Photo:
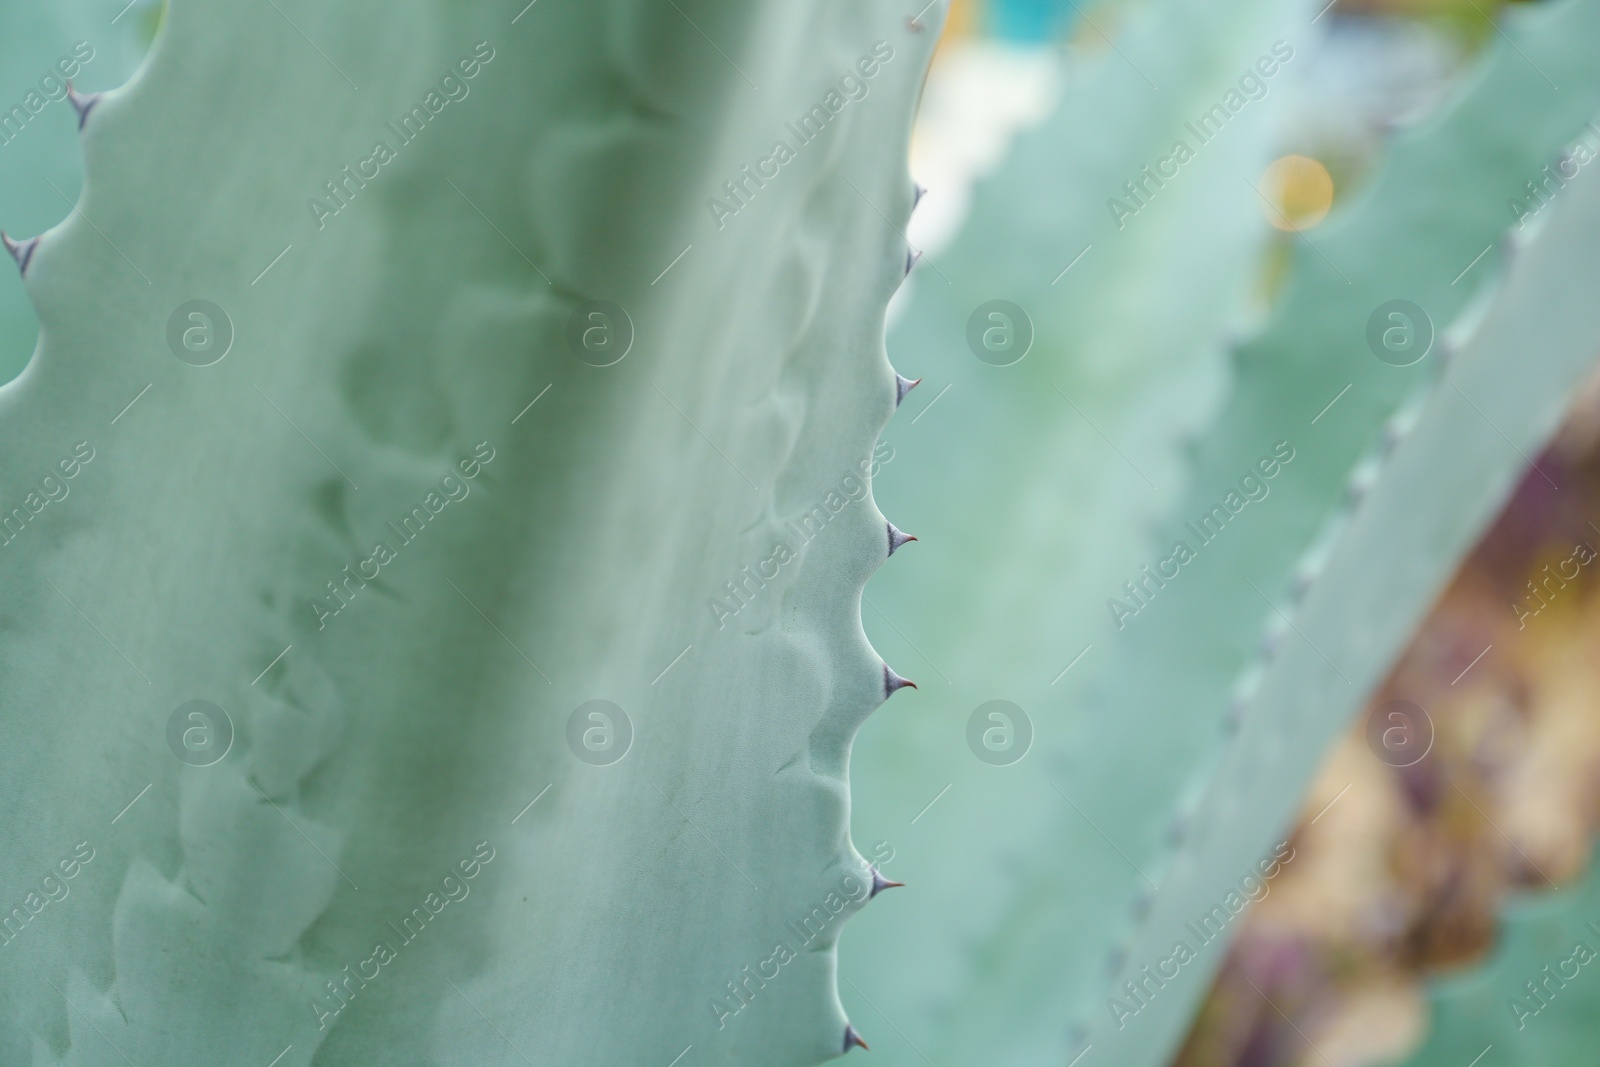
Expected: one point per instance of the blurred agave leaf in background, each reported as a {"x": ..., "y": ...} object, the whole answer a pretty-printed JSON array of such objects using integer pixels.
[
  {"x": 1007, "y": 979},
  {"x": 1403, "y": 867}
]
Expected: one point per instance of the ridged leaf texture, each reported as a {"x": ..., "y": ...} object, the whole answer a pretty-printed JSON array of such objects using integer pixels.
[{"x": 404, "y": 769}]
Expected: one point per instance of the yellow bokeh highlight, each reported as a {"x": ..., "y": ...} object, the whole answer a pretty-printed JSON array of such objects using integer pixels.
[
  {"x": 1299, "y": 191},
  {"x": 962, "y": 21}
]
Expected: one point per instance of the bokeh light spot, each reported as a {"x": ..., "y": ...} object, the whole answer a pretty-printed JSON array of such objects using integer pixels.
[{"x": 1299, "y": 191}]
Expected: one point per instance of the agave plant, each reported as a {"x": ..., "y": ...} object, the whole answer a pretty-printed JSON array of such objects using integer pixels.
[{"x": 438, "y": 507}]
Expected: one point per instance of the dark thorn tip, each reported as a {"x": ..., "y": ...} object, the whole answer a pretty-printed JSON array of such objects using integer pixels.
[
  {"x": 852, "y": 1039},
  {"x": 21, "y": 251},
  {"x": 82, "y": 103},
  {"x": 920, "y": 192},
  {"x": 897, "y": 538},
  {"x": 902, "y": 386},
  {"x": 880, "y": 883},
  {"x": 911, "y": 260},
  {"x": 892, "y": 682}
]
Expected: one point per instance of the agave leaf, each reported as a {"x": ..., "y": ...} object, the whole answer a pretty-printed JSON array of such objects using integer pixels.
[
  {"x": 407, "y": 722},
  {"x": 1134, "y": 814},
  {"x": 39, "y": 148},
  {"x": 1060, "y": 462}
]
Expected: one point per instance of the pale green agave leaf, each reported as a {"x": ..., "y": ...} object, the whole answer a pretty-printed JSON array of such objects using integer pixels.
[
  {"x": 1168, "y": 757},
  {"x": 42, "y": 46},
  {"x": 1149, "y": 377},
  {"x": 1535, "y": 999},
  {"x": 369, "y": 504}
]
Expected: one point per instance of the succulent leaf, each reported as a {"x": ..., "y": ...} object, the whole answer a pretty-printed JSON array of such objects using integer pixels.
[
  {"x": 449, "y": 479},
  {"x": 43, "y": 47},
  {"x": 1180, "y": 743}
]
